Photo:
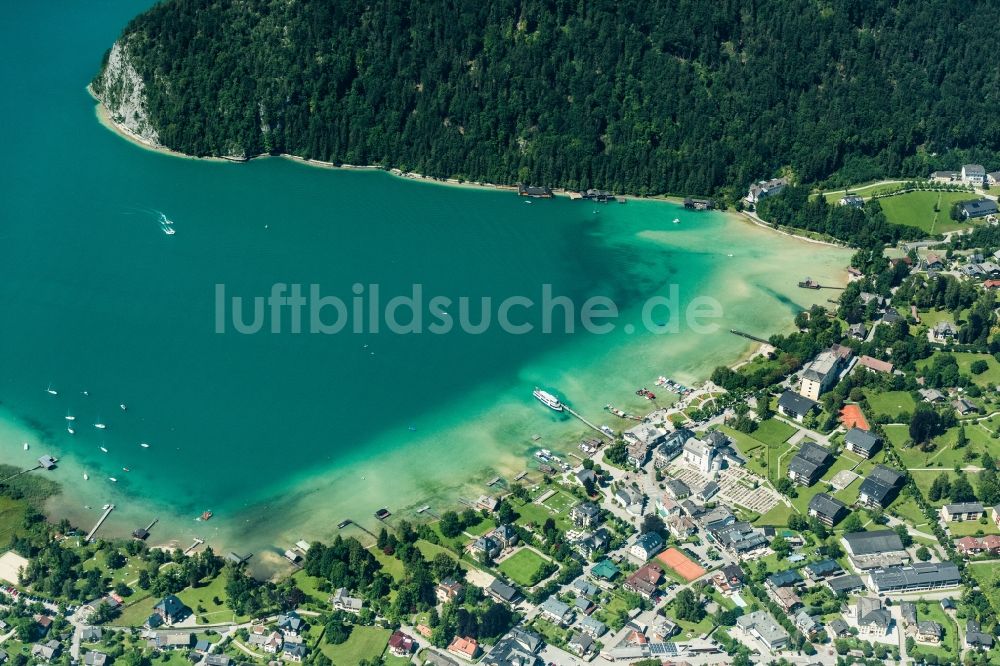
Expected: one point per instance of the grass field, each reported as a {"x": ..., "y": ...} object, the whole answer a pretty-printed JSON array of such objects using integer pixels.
[
  {"x": 364, "y": 643},
  {"x": 947, "y": 651},
  {"x": 965, "y": 360},
  {"x": 973, "y": 528},
  {"x": 988, "y": 575},
  {"x": 390, "y": 563},
  {"x": 763, "y": 458},
  {"x": 204, "y": 596},
  {"x": 136, "y": 614},
  {"x": 916, "y": 209},
  {"x": 945, "y": 455},
  {"x": 892, "y": 403},
  {"x": 773, "y": 432},
  {"x": 521, "y": 566}
]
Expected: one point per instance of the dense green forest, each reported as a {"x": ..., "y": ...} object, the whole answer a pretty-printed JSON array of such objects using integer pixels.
[{"x": 653, "y": 96}]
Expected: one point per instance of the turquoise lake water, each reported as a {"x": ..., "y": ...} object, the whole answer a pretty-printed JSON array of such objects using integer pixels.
[{"x": 282, "y": 435}]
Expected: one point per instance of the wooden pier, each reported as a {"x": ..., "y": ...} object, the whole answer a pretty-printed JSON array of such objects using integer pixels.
[
  {"x": 197, "y": 542},
  {"x": 100, "y": 521},
  {"x": 521, "y": 475},
  {"x": 587, "y": 423},
  {"x": 748, "y": 336}
]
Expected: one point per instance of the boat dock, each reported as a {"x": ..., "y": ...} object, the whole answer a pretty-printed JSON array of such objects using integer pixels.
[
  {"x": 197, "y": 542},
  {"x": 587, "y": 423},
  {"x": 521, "y": 475},
  {"x": 100, "y": 521},
  {"x": 748, "y": 336},
  {"x": 494, "y": 481}
]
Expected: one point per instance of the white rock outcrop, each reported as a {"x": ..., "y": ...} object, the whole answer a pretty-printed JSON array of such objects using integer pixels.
[{"x": 123, "y": 93}]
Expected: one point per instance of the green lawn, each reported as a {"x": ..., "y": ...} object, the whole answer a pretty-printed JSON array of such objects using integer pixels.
[
  {"x": 203, "y": 596},
  {"x": 521, "y": 566},
  {"x": 310, "y": 586},
  {"x": 925, "y": 479},
  {"x": 972, "y": 528},
  {"x": 947, "y": 651},
  {"x": 137, "y": 613},
  {"x": 390, "y": 563},
  {"x": 364, "y": 643},
  {"x": 988, "y": 575},
  {"x": 965, "y": 360},
  {"x": 916, "y": 209},
  {"x": 892, "y": 403},
  {"x": 945, "y": 455},
  {"x": 773, "y": 432}
]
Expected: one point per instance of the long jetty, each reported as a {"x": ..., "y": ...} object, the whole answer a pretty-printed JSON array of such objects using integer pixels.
[
  {"x": 748, "y": 336},
  {"x": 100, "y": 521},
  {"x": 587, "y": 423},
  {"x": 197, "y": 542}
]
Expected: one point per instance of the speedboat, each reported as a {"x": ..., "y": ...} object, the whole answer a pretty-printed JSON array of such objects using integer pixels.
[
  {"x": 124, "y": 408},
  {"x": 104, "y": 449},
  {"x": 144, "y": 445},
  {"x": 100, "y": 426},
  {"x": 125, "y": 469},
  {"x": 26, "y": 447},
  {"x": 51, "y": 391},
  {"x": 112, "y": 479},
  {"x": 70, "y": 430},
  {"x": 86, "y": 477},
  {"x": 547, "y": 399},
  {"x": 70, "y": 417}
]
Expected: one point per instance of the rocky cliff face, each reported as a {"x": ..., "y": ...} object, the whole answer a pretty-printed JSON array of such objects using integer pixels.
[{"x": 122, "y": 91}]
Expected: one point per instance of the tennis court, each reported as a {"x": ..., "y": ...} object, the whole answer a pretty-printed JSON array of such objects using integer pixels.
[
  {"x": 681, "y": 564},
  {"x": 852, "y": 417}
]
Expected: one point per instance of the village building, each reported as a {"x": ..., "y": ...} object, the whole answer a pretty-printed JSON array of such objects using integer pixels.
[
  {"x": 822, "y": 569},
  {"x": 169, "y": 611},
  {"x": 915, "y": 577},
  {"x": 822, "y": 372},
  {"x": 517, "y": 648},
  {"x": 862, "y": 442},
  {"x": 585, "y": 514},
  {"x": 875, "y": 365},
  {"x": 401, "y": 645},
  {"x": 341, "y": 600},
  {"x": 464, "y": 647},
  {"x": 827, "y": 509},
  {"x": 974, "y": 174},
  {"x": 670, "y": 447},
  {"x": 852, "y": 200},
  {"x": 795, "y": 406},
  {"x": 872, "y": 617},
  {"x": 954, "y": 513},
  {"x": 554, "y": 611},
  {"x": 878, "y": 548},
  {"x": 501, "y": 591},
  {"x": 978, "y": 208},
  {"x": 975, "y": 638},
  {"x": 764, "y": 189},
  {"x": 809, "y": 464},
  {"x": 448, "y": 589},
  {"x": 644, "y": 581},
  {"x": 646, "y": 546},
  {"x": 880, "y": 487},
  {"x": 580, "y": 643},
  {"x": 762, "y": 626},
  {"x": 677, "y": 489}
]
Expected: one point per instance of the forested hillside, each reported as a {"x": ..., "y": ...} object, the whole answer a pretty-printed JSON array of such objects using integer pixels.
[{"x": 639, "y": 96}]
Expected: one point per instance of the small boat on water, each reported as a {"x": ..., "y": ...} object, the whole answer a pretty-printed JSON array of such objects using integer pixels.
[
  {"x": 124, "y": 408},
  {"x": 144, "y": 445},
  {"x": 100, "y": 426},
  {"x": 86, "y": 477},
  {"x": 126, "y": 469},
  {"x": 26, "y": 447},
  {"x": 206, "y": 515},
  {"x": 70, "y": 417},
  {"x": 677, "y": 220},
  {"x": 104, "y": 449},
  {"x": 547, "y": 399},
  {"x": 51, "y": 391},
  {"x": 112, "y": 479},
  {"x": 69, "y": 429},
  {"x": 344, "y": 523},
  {"x": 106, "y": 507}
]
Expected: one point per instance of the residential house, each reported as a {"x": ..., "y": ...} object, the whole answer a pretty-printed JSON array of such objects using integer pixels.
[
  {"x": 677, "y": 489},
  {"x": 820, "y": 374},
  {"x": 964, "y": 407},
  {"x": 875, "y": 365},
  {"x": 872, "y": 617},
  {"x": 915, "y": 577},
  {"x": 880, "y": 487},
  {"x": 861, "y": 442},
  {"x": 946, "y": 176},
  {"x": 975, "y": 638},
  {"x": 432, "y": 658},
  {"x": 943, "y": 331},
  {"x": 929, "y": 631},
  {"x": 666, "y": 507},
  {"x": 646, "y": 546},
  {"x": 822, "y": 569},
  {"x": 580, "y": 643},
  {"x": 852, "y": 200},
  {"x": 485, "y": 545},
  {"x": 448, "y": 589},
  {"x": 401, "y": 645},
  {"x": 605, "y": 570},
  {"x": 341, "y": 600},
  {"x": 642, "y": 439},
  {"x": 681, "y": 527},
  {"x": 739, "y": 538},
  {"x": 993, "y": 178},
  {"x": 974, "y": 174},
  {"x": 585, "y": 514},
  {"x": 665, "y": 630},
  {"x": 593, "y": 543},
  {"x": 708, "y": 491},
  {"x": 730, "y": 578},
  {"x": 505, "y": 535},
  {"x": 628, "y": 497},
  {"x": 838, "y": 628},
  {"x": 809, "y": 464},
  {"x": 953, "y": 513},
  {"x": 94, "y": 658},
  {"x": 517, "y": 648},
  {"x": 827, "y": 509},
  {"x": 586, "y": 588},
  {"x": 501, "y": 591},
  {"x": 487, "y": 503},
  {"x": 218, "y": 660},
  {"x": 978, "y": 208},
  {"x": 554, "y": 611},
  {"x": 933, "y": 261},
  {"x": 290, "y": 624},
  {"x": 762, "y": 626},
  {"x": 764, "y": 189},
  {"x": 908, "y": 610},
  {"x": 644, "y": 581},
  {"x": 969, "y": 545},
  {"x": 464, "y": 647},
  {"x": 795, "y": 406},
  {"x": 857, "y": 331},
  {"x": 930, "y": 395},
  {"x": 172, "y": 640},
  {"x": 293, "y": 652},
  {"x": 806, "y": 624},
  {"x": 593, "y": 627},
  {"x": 671, "y": 447},
  {"x": 786, "y": 598},
  {"x": 171, "y": 610},
  {"x": 585, "y": 476},
  {"x": 46, "y": 651}
]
